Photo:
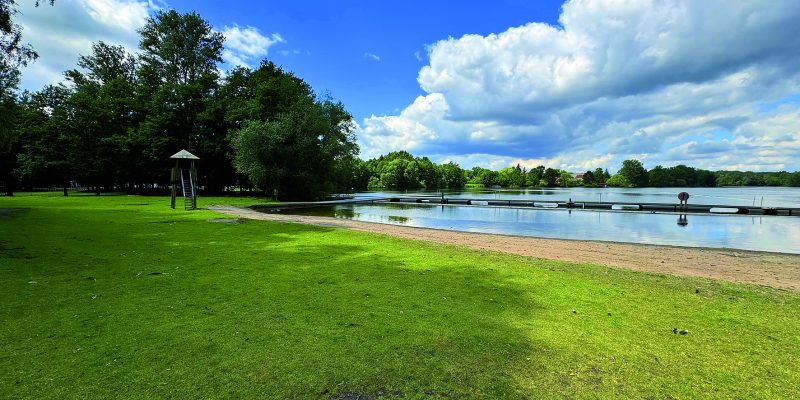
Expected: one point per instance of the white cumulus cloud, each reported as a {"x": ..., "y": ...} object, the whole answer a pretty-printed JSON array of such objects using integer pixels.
[
  {"x": 66, "y": 30},
  {"x": 656, "y": 80},
  {"x": 246, "y": 46},
  {"x": 61, "y": 32}
]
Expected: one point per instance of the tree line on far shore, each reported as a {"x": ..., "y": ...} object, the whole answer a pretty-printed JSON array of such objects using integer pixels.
[
  {"x": 114, "y": 122},
  {"x": 402, "y": 171}
]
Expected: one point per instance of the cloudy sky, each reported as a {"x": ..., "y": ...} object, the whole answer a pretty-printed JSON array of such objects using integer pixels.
[{"x": 575, "y": 85}]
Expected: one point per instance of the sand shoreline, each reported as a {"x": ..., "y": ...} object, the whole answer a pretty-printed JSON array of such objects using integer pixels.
[{"x": 777, "y": 270}]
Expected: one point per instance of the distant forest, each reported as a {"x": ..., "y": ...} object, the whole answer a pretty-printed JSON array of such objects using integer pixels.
[
  {"x": 114, "y": 122},
  {"x": 402, "y": 171}
]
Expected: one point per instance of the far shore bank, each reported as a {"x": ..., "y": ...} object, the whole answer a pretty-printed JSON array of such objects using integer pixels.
[{"x": 777, "y": 270}]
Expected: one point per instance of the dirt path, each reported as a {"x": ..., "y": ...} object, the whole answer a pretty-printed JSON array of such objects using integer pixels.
[{"x": 769, "y": 269}]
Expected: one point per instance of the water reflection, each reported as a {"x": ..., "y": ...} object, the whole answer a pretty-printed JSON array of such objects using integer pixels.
[
  {"x": 739, "y": 196},
  {"x": 781, "y": 234},
  {"x": 345, "y": 212},
  {"x": 398, "y": 219}
]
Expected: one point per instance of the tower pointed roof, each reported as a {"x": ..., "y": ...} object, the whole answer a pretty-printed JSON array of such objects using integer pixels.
[{"x": 183, "y": 154}]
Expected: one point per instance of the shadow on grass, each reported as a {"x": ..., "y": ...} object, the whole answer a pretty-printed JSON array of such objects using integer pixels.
[
  {"x": 278, "y": 310},
  {"x": 347, "y": 321},
  {"x": 250, "y": 310}
]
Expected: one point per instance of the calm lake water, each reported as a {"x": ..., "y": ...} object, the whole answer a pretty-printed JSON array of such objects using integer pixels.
[
  {"x": 738, "y": 196},
  {"x": 763, "y": 233}
]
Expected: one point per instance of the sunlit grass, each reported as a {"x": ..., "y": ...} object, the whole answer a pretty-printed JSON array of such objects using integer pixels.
[{"x": 120, "y": 296}]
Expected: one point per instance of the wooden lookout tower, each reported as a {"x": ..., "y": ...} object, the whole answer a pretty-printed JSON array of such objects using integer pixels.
[{"x": 185, "y": 176}]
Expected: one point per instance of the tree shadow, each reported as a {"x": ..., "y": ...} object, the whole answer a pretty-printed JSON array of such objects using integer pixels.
[{"x": 355, "y": 322}]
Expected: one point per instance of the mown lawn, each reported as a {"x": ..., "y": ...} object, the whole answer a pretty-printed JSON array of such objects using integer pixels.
[{"x": 122, "y": 297}]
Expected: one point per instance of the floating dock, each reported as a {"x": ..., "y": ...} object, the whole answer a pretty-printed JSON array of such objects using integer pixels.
[
  {"x": 598, "y": 205},
  {"x": 569, "y": 204}
]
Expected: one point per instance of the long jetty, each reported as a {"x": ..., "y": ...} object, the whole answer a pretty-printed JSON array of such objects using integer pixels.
[{"x": 598, "y": 205}]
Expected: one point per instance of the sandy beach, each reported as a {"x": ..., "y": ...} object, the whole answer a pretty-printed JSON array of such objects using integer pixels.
[{"x": 775, "y": 270}]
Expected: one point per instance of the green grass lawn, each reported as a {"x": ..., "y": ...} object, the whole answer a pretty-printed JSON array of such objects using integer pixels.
[{"x": 122, "y": 297}]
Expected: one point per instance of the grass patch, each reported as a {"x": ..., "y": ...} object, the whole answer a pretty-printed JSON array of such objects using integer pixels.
[{"x": 120, "y": 296}]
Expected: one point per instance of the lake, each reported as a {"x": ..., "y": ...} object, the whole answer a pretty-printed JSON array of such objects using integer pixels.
[
  {"x": 738, "y": 196},
  {"x": 761, "y": 233}
]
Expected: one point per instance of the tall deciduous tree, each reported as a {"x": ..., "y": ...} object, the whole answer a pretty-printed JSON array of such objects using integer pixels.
[
  {"x": 297, "y": 152},
  {"x": 588, "y": 179},
  {"x": 635, "y": 172},
  {"x": 535, "y": 175},
  {"x": 13, "y": 52},
  {"x": 178, "y": 74},
  {"x": 550, "y": 175},
  {"x": 566, "y": 179},
  {"x": 105, "y": 114},
  {"x": 180, "y": 48},
  {"x": 452, "y": 176},
  {"x": 618, "y": 180},
  {"x": 48, "y": 153},
  {"x": 13, "y": 55}
]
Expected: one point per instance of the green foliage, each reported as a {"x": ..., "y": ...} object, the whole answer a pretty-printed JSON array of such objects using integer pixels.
[
  {"x": 103, "y": 112},
  {"x": 511, "y": 177},
  {"x": 49, "y": 150},
  {"x": 601, "y": 176},
  {"x": 122, "y": 115},
  {"x": 256, "y": 144},
  {"x": 588, "y": 179},
  {"x": 9, "y": 142},
  {"x": 265, "y": 93},
  {"x": 738, "y": 178},
  {"x": 14, "y": 54},
  {"x": 550, "y": 176},
  {"x": 794, "y": 179},
  {"x": 400, "y": 170},
  {"x": 179, "y": 81},
  {"x": 296, "y": 153},
  {"x": 619, "y": 180},
  {"x": 566, "y": 179},
  {"x": 125, "y": 114},
  {"x": 483, "y": 176},
  {"x": 180, "y": 49},
  {"x": 535, "y": 176},
  {"x": 680, "y": 176},
  {"x": 634, "y": 172},
  {"x": 452, "y": 176}
]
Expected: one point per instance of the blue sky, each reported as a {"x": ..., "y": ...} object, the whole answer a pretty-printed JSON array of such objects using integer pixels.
[
  {"x": 573, "y": 85},
  {"x": 326, "y": 42}
]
